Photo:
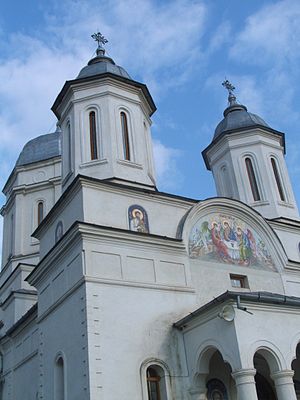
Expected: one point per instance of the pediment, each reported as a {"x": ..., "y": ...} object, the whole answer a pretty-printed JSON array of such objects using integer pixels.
[{"x": 229, "y": 232}]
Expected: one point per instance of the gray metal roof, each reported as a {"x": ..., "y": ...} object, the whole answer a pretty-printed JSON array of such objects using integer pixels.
[
  {"x": 255, "y": 297},
  {"x": 100, "y": 65},
  {"x": 237, "y": 117},
  {"x": 41, "y": 148}
]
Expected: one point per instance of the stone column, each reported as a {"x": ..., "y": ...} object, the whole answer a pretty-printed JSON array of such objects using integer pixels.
[
  {"x": 284, "y": 385},
  {"x": 245, "y": 384}
]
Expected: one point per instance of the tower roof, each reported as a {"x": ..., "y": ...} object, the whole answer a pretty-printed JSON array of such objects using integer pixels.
[
  {"x": 101, "y": 63},
  {"x": 236, "y": 115},
  {"x": 101, "y": 67},
  {"x": 41, "y": 148}
]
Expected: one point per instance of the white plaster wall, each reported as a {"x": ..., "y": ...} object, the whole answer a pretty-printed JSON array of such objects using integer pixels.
[
  {"x": 143, "y": 331},
  {"x": 290, "y": 238},
  {"x": 64, "y": 332},
  {"x": 108, "y": 99},
  {"x": 20, "y": 367}
]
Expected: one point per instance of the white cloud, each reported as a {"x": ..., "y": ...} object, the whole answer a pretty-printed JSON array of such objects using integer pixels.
[
  {"x": 271, "y": 35},
  {"x": 167, "y": 173}
]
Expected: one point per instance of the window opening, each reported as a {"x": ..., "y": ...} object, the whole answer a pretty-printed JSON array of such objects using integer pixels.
[
  {"x": 153, "y": 384},
  {"x": 40, "y": 212},
  {"x": 252, "y": 179},
  {"x": 93, "y": 135},
  {"x": 125, "y": 136},
  {"x": 277, "y": 179},
  {"x": 239, "y": 281},
  {"x": 59, "y": 381},
  {"x": 69, "y": 147}
]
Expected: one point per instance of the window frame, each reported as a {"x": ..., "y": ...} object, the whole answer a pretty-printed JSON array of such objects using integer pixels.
[
  {"x": 252, "y": 178},
  {"x": 94, "y": 151},
  {"x": 278, "y": 179},
  {"x": 240, "y": 278},
  {"x": 40, "y": 212},
  {"x": 125, "y": 136},
  {"x": 152, "y": 363}
]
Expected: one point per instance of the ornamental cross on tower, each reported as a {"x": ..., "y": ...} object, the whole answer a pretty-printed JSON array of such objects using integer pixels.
[
  {"x": 229, "y": 86},
  {"x": 99, "y": 38}
]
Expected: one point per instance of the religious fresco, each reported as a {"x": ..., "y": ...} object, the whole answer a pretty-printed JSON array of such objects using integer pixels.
[
  {"x": 216, "y": 390},
  {"x": 226, "y": 239},
  {"x": 138, "y": 219}
]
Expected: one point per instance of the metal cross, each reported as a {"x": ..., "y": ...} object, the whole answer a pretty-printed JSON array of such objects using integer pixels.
[
  {"x": 99, "y": 38},
  {"x": 229, "y": 86}
]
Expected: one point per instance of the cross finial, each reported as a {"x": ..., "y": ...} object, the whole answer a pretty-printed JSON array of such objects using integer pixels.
[
  {"x": 231, "y": 97},
  {"x": 101, "y": 40},
  {"x": 229, "y": 86}
]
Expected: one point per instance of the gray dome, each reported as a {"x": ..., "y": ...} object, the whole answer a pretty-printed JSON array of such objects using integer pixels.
[
  {"x": 39, "y": 149},
  {"x": 100, "y": 65},
  {"x": 236, "y": 116}
]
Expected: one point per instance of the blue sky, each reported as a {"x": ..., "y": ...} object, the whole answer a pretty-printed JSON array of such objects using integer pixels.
[{"x": 181, "y": 49}]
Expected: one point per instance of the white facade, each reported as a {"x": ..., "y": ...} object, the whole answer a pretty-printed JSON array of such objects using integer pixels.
[{"x": 122, "y": 291}]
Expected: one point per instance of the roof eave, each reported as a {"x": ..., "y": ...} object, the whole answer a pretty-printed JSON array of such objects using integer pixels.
[
  {"x": 131, "y": 82},
  {"x": 228, "y": 132}
]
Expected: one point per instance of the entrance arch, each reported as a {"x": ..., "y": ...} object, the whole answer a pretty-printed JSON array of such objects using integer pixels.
[
  {"x": 214, "y": 375},
  {"x": 265, "y": 363},
  {"x": 296, "y": 368}
]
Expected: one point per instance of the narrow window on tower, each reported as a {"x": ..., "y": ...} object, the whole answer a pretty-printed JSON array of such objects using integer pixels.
[
  {"x": 69, "y": 147},
  {"x": 278, "y": 180},
  {"x": 40, "y": 212},
  {"x": 59, "y": 388},
  {"x": 93, "y": 135},
  {"x": 125, "y": 136},
  {"x": 252, "y": 179}
]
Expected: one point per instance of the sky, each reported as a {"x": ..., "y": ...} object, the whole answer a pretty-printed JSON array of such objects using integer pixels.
[{"x": 181, "y": 49}]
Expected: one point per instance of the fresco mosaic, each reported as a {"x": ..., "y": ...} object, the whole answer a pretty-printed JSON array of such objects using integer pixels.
[
  {"x": 138, "y": 219},
  {"x": 224, "y": 238}
]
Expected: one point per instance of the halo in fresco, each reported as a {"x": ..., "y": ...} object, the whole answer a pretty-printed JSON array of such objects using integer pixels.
[{"x": 226, "y": 239}]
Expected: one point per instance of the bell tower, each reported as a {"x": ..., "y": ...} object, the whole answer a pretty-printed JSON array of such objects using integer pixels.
[
  {"x": 104, "y": 117},
  {"x": 246, "y": 157}
]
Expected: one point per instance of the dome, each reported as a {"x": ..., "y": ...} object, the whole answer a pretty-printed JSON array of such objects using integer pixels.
[
  {"x": 236, "y": 116},
  {"x": 39, "y": 149},
  {"x": 101, "y": 65}
]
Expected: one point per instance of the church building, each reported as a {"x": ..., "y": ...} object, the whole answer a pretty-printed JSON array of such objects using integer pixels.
[{"x": 111, "y": 289}]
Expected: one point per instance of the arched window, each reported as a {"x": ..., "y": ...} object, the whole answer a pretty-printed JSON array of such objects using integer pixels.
[
  {"x": 252, "y": 179},
  {"x": 69, "y": 147},
  {"x": 277, "y": 179},
  {"x": 40, "y": 212},
  {"x": 156, "y": 384},
  {"x": 93, "y": 135},
  {"x": 59, "y": 388},
  {"x": 125, "y": 136}
]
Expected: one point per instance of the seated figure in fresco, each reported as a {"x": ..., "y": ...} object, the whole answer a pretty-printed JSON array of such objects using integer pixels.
[
  {"x": 228, "y": 232},
  {"x": 221, "y": 248}
]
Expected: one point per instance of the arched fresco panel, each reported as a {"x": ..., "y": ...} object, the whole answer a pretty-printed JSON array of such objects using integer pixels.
[{"x": 224, "y": 238}]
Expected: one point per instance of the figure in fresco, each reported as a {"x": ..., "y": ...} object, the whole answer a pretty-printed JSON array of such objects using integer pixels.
[
  {"x": 244, "y": 246},
  {"x": 228, "y": 232},
  {"x": 217, "y": 241},
  {"x": 229, "y": 240},
  {"x": 217, "y": 395},
  {"x": 138, "y": 219}
]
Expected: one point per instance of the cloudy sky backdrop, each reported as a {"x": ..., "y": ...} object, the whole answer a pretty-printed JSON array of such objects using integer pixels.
[{"x": 181, "y": 49}]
